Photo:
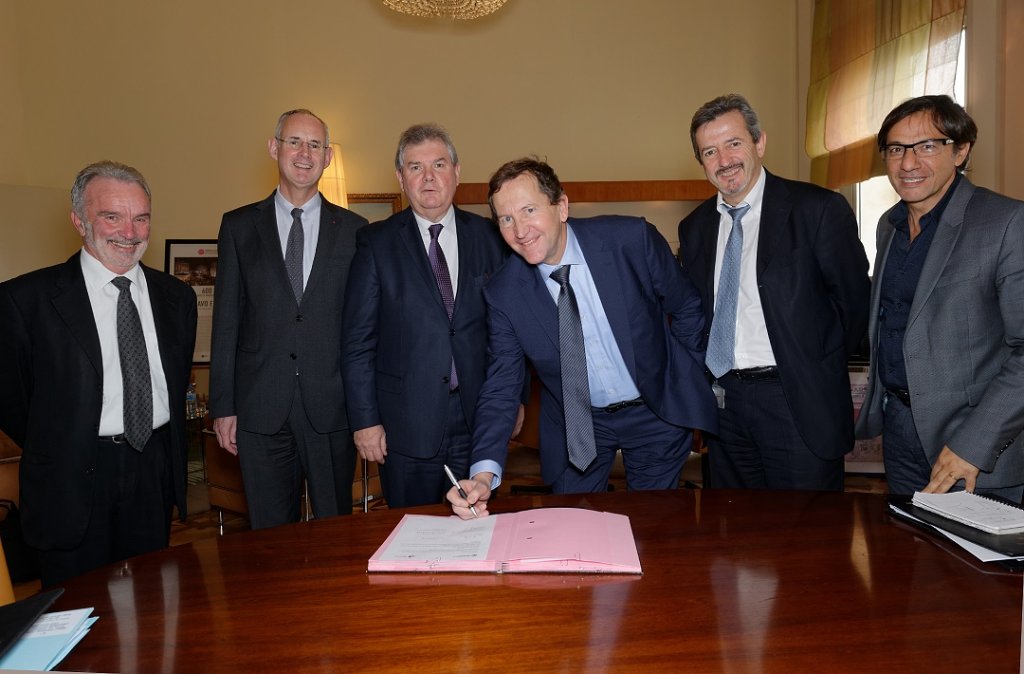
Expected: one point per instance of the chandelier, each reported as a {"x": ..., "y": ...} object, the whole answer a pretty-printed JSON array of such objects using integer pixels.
[{"x": 449, "y": 9}]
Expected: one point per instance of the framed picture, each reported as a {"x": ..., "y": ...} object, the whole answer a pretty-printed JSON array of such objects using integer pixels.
[
  {"x": 374, "y": 207},
  {"x": 194, "y": 261}
]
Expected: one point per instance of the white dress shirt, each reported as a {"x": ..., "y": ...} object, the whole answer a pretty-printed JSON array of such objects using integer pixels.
[
  {"x": 753, "y": 348},
  {"x": 103, "y": 298},
  {"x": 448, "y": 240}
]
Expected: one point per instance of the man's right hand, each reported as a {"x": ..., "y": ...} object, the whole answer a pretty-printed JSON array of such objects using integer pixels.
[
  {"x": 226, "y": 429},
  {"x": 478, "y": 492},
  {"x": 372, "y": 443}
]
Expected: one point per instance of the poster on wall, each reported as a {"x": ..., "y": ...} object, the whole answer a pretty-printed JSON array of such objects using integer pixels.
[{"x": 194, "y": 261}]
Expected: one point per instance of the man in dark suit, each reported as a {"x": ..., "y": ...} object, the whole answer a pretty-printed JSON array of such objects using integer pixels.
[
  {"x": 612, "y": 327},
  {"x": 95, "y": 355},
  {"x": 275, "y": 373},
  {"x": 947, "y": 314},
  {"x": 785, "y": 287},
  {"x": 415, "y": 334}
]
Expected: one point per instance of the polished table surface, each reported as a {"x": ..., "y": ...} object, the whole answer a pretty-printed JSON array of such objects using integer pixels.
[{"x": 734, "y": 581}]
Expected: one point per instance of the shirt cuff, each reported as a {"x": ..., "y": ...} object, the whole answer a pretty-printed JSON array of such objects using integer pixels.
[{"x": 487, "y": 466}]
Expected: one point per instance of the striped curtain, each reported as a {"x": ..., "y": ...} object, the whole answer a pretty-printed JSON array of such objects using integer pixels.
[{"x": 867, "y": 56}]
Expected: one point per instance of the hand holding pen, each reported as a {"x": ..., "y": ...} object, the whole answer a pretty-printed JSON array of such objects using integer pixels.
[{"x": 462, "y": 492}]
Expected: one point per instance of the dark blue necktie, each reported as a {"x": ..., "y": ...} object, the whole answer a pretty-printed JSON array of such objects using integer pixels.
[{"x": 293, "y": 254}]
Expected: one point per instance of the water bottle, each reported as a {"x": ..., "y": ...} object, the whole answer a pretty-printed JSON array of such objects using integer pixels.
[{"x": 191, "y": 406}]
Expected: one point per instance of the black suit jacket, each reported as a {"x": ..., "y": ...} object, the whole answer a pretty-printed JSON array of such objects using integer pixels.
[
  {"x": 51, "y": 397},
  {"x": 398, "y": 341},
  {"x": 814, "y": 287},
  {"x": 260, "y": 334}
]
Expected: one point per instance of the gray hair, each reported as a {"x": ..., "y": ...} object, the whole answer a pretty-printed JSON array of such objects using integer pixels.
[
  {"x": 301, "y": 111},
  {"x": 717, "y": 107},
  {"x": 421, "y": 133},
  {"x": 104, "y": 169}
]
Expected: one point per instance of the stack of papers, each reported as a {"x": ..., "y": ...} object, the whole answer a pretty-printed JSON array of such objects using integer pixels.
[
  {"x": 976, "y": 511},
  {"x": 545, "y": 540},
  {"x": 48, "y": 640}
]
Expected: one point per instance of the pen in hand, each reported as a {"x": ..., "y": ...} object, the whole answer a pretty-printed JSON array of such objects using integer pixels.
[{"x": 462, "y": 492}]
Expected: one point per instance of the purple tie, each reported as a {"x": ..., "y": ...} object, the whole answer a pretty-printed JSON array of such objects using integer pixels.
[{"x": 444, "y": 284}]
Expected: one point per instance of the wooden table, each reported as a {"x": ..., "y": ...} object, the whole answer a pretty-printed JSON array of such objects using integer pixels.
[{"x": 736, "y": 581}]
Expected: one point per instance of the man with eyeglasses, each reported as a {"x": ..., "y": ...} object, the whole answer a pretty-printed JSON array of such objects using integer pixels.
[
  {"x": 276, "y": 393},
  {"x": 784, "y": 280},
  {"x": 946, "y": 386}
]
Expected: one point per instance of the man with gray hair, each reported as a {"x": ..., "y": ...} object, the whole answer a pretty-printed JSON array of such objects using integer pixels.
[
  {"x": 275, "y": 378},
  {"x": 785, "y": 287},
  {"x": 415, "y": 336},
  {"x": 95, "y": 355}
]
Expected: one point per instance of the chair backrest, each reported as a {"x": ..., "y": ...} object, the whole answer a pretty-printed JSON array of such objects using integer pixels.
[{"x": 6, "y": 589}]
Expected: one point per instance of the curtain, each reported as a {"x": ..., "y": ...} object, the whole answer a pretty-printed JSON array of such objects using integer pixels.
[{"x": 867, "y": 56}]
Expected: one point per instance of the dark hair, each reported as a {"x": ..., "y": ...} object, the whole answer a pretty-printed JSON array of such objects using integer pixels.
[
  {"x": 717, "y": 107},
  {"x": 103, "y": 169},
  {"x": 421, "y": 133},
  {"x": 947, "y": 115},
  {"x": 546, "y": 177}
]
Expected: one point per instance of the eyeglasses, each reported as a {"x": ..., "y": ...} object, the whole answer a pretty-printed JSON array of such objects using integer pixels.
[
  {"x": 922, "y": 148},
  {"x": 297, "y": 143}
]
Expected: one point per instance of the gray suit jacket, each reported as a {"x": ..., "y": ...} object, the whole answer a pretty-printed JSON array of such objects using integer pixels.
[
  {"x": 964, "y": 344},
  {"x": 260, "y": 334}
]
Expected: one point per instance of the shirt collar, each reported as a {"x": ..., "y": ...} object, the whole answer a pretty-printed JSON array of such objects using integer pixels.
[
  {"x": 286, "y": 206},
  {"x": 97, "y": 276},
  {"x": 899, "y": 217},
  {"x": 448, "y": 220},
  {"x": 572, "y": 254}
]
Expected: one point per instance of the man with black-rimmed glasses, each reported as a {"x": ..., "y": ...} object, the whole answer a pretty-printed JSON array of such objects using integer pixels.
[{"x": 947, "y": 313}]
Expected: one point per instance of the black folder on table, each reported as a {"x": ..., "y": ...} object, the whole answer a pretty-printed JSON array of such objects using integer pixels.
[
  {"x": 17, "y": 617},
  {"x": 1006, "y": 544}
]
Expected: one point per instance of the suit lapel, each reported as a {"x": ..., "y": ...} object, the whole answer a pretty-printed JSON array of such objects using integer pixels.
[
  {"x": 71, "y": 301},
  {"x": 538, "y": 299},
  {"x": 775, "y": 210},
  {"x": 324, "y": 245},
  {"x": 266, "y": 228},
  {"x": 165, "y": 308},
  {"x": 412, "y": 241},
  {"x": 947, "y": 233}
]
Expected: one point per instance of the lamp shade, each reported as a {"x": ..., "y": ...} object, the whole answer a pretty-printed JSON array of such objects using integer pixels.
[{"x": 332, "y": 182}]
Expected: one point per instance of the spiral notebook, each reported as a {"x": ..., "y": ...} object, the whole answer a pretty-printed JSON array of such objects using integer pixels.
[{"x": 980, "y": 512}]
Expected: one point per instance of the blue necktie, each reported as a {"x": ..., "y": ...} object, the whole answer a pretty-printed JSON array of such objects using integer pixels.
[
  {"x": 722, "y": 342},
  {"x": 579, "y": 420}
]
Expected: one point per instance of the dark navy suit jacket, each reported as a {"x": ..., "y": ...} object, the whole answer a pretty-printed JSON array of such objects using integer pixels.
[
  {"x": 398, "y": 342},
  {"x": 652, "y": 308}
]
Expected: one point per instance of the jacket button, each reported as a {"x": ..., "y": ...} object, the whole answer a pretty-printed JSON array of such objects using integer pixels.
[
  {"x": 444, "y": 379},
  {"x": 293, "y": 356},
  {"x": 298, "y": 319},
  {"x": 90, "y": 470},
  {"x": 451, "y": 333}
]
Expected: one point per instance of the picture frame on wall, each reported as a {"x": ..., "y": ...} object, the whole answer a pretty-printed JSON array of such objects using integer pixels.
[
  {"x": 194, "y": 261},
  {"x": 377, "y": 206}
]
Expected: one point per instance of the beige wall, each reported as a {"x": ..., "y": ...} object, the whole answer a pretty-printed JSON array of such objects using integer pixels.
[{"x": 188, "y": 91}]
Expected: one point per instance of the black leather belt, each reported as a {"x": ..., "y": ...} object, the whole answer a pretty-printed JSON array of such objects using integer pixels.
[
  {"x": 756, "y": 373},
  {"x": 900, "y": 394},
  {"x": 615, "y": 407},
  {"x": 119, "y": 439}
]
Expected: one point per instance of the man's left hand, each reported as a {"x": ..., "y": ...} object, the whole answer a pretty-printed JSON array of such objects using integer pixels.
[{"x": 950, "y": 469}]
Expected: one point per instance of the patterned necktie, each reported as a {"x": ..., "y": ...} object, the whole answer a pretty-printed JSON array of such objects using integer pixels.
[
  {"x": 722, "y": 341},
  {"x": 579, "y": 422},
  {"x": 293, "y": 254},
  {"x": 439, "y": 264},
  {"x": 138, "y": 387}
]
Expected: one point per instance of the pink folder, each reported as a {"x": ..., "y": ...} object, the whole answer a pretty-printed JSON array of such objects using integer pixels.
[{"x": 545, "y": 540}]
